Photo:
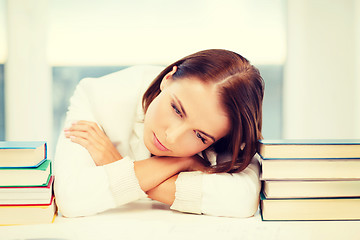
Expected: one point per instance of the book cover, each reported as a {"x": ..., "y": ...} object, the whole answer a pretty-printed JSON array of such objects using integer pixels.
[
  {"x": 310, "y": 209},
  {"x": 314, "y": 148},
  {"x": 28, "y": 214},
  {"x": 26, "y": 176},
  {"x": 29, "y": 195},
  {"x": 22, "y": 153}
]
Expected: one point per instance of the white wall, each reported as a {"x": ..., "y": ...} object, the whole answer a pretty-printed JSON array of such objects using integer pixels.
[
  {"x": 322, "y": 80},
  {"x": 28, "y": 101},
  {"x": 41, "y": 33},
  {"x": 321, "y": 76},
  {"x": 112, "y": 32},
  {"x": 357, "y": 65},
  {"x": 3, "y": 50}
]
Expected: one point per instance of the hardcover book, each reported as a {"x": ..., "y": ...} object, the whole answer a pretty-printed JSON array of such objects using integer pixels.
[
  {"x": 310, "y": 209},
  {"x": 26, "y": 176},
  {"x": 28, "y": 214},
  {"x": 29, "y": 195},
  {"x": 22, "y": 154},
  {"x": 311, "y": 189},
  {"x": 282, "y": 149},
  {"x": 296, "y": 169}
]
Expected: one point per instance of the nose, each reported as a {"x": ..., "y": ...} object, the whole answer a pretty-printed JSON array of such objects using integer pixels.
[{"x": 174, "y": 133}]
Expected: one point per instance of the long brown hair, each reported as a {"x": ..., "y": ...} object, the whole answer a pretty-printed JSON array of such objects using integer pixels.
[{"x": 241, "y": 90}]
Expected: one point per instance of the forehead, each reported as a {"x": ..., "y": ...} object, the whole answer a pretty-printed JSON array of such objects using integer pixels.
[{"x": 202, "y": 104}]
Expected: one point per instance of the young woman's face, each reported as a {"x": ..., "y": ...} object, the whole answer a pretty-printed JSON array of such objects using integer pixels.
[{"x": 184, "y": 119}]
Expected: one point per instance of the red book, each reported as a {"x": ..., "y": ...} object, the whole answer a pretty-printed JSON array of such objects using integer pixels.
[{"x": 28, "y": 195}]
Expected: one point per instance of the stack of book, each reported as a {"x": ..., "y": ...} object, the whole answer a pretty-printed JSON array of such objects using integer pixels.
[
  {"x": 26, "y": 184},
  {"x": 310, "y": 179}
]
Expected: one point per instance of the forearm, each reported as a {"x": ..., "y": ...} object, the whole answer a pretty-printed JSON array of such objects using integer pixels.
[
  {"x": 232, "y": 195},
  {"x": 155, "y": 170},
  {"x": 165, "y": 192}
]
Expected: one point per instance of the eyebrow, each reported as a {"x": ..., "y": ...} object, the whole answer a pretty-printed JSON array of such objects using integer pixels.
[
  {"x": 184, "y": 112},
  {"x": 208, "y": 135}
]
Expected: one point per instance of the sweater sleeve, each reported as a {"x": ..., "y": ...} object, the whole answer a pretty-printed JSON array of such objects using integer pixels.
[
  {"x": 82, "y": 188},
  {"x": 222, "y": 194}
]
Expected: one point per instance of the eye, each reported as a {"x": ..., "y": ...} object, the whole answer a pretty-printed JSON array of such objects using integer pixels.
[
  {"x": 198, "y": 135},
  {"x": 176, "y": 110}
]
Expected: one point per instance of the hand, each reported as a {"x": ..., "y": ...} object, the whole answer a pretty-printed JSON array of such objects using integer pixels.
[{"x": 90, "y": 136}]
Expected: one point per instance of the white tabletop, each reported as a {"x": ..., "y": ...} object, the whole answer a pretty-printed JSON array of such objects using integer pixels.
[{"x": 148, "y": 219}]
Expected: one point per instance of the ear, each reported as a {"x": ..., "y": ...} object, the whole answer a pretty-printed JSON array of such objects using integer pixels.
[{"x": 167, "y": 78}]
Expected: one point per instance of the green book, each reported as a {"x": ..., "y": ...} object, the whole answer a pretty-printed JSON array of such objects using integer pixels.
[{"x": 26, "y": 176}]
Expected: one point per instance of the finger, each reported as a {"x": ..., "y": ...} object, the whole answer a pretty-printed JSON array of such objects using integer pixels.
[
  {"x": 88, "y": 140},
  {"x": 82, "y": 141},
  {"x": 83, "y": 127},
  {"x": 93, "y": 125},
  {"x": 85, "y": 139},
  {"x": 88, "y": 126},
  {"x": 80, "y": 126},
  {"x": 96, "y": 132},
  {"x": 78, "y": 134},
  {"x": 97, "y": 129},
  {"x": 96, "y": 135},
  {"x": 85, "y": 142}
]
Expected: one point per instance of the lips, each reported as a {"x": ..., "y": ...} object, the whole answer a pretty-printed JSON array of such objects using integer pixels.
[{"x": 158, "y": 144}]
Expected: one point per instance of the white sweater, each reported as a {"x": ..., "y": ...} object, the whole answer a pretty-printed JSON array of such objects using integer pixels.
[{"x": 114, "y": 102}]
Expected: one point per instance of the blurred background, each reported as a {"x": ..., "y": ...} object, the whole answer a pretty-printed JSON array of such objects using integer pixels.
[{"x": 307, "y": 51}]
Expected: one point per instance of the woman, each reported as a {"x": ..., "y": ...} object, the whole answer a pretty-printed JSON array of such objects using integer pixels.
[{"x": 195, "y": 132}]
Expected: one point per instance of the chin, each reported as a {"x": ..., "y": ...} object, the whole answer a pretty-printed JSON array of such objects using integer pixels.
[{"x": 159, "y": 153}]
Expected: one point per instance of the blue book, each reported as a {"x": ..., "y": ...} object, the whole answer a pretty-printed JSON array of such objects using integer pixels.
[{"x": 22, "y": 154}]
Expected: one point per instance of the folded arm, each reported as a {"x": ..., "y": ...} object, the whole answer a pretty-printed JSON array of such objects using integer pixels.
[
  {"x": 100, "y": 178},
  {"x": 224, "y": 194},
  {"x": 165, "y": 179},
  {"x": 86, "y": 185}
]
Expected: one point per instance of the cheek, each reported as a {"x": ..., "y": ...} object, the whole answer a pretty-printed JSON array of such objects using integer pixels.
[{"x": 156, "y": 115}]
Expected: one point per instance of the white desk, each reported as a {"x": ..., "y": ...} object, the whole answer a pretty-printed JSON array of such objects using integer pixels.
[{"x": 147, "y": 219}]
